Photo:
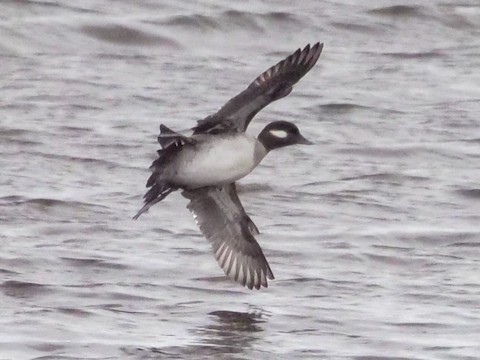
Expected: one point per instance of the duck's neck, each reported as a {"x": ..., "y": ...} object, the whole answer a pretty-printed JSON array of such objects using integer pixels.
[{"x": 260, "y": 152}]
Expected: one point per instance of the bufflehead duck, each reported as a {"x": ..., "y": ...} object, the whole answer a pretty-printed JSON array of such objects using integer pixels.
[{"x": 206, "y": 165}]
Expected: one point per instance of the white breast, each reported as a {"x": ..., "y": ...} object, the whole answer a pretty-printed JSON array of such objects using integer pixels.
[{"x": 220, "y": 161}]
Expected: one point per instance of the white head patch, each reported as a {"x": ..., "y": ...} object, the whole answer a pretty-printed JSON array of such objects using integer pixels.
[{"x": 279, "y": 133}]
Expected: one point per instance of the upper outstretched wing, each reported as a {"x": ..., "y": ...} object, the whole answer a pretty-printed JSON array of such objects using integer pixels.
[
  {"x": 273, "y": 84},
  {"x": 228, "y": 228}
]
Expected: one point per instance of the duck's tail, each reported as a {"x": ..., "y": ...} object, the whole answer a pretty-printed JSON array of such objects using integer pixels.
[
  {"x": 155, "y": 194},
  {"x": 171, "y": 142}
]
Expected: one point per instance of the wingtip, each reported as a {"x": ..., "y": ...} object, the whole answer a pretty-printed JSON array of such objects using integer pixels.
[
  {"x": 317, "y": 45},
  {"x": 316, "y": 48},
  {"x": 140, "y": 212},
  {"x": 270, "y": 275},
  {"x": 312, "y": 54},
  {"x": 237, "y": 268},
  {"x": 136, "y": 216}
]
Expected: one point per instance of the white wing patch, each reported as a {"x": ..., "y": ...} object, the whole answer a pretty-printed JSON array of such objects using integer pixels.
[{"x": 279, "y": 133}]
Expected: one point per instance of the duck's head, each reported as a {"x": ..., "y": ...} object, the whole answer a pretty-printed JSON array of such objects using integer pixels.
[{"x": 281, "y": 133}]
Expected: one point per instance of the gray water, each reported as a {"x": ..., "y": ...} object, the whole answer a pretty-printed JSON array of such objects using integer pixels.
[{"x": 373, "y": 233}]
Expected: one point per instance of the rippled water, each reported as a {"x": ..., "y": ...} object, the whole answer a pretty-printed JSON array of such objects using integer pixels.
[{"x": 373, "y": 233}]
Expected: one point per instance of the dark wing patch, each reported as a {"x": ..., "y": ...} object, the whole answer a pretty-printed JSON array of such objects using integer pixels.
[
  {"x": 169, "y": 137},
  {"x": 231, "y": 190},
  {"x": 228, "y": 229},
  {"x": 271, "y": 85}
]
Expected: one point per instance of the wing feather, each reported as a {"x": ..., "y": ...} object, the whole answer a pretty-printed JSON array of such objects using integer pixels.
[
  {"x": 273, "y": 84},
  {"x": 224, "y": 223}
]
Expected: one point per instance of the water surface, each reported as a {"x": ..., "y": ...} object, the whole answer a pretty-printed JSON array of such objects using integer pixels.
[{"x": 373, "y": 233}]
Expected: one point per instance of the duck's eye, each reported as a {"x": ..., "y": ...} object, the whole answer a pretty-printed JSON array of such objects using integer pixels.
[{"x": 282, "y": 134}]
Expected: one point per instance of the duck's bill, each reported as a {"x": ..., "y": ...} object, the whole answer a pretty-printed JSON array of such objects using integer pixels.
[{"x": 302, "y": 140}]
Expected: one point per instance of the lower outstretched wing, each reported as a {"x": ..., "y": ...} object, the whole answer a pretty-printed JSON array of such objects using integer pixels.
[{"x": 223, "y": 221}]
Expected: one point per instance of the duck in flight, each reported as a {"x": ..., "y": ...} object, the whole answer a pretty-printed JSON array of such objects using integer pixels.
[{"x": 206, "y": 165}]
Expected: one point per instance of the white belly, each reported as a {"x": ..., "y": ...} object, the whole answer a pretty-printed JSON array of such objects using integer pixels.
[{"x": 219, "y": 162}]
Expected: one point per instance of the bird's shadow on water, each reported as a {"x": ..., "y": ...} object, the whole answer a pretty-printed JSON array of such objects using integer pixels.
[{"x": 231, "y": 334}]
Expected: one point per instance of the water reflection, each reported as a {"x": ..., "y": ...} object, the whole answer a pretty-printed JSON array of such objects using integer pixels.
[{"x": 232, "y": 332}]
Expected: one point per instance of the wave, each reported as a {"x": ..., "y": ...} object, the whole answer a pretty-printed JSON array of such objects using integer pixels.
[
  {"x": 469, "y": 193},
  {"x": 22, "y": 289},
  {"x": 399, "y": 11},
  {"x": 394, "y": 177},
  {"x": 416, "y": 55},
  {"x": 45, "y": 202},
  {"x": 125, "y": 35},
  {"x": 341, "y": 108},
  {"x": 233, "y": 18},
  {"x": 355, "y": 27},
  {"x": 93, "y": 262}
]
